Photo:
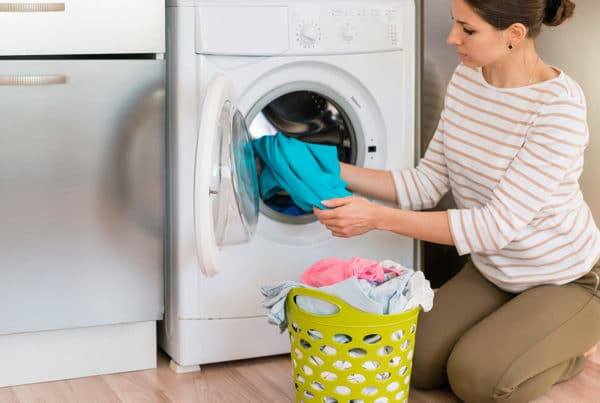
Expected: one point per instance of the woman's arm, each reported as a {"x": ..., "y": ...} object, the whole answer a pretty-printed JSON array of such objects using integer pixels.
[
  {"x": 416, "y": 188},
  {"x": 374, "y": 183},
  {"x": 556, "y": 142},
  {"x": 354, "y": 216}
]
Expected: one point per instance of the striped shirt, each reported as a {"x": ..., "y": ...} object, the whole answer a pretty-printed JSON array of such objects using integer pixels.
[{"x": 512, "y": 158}]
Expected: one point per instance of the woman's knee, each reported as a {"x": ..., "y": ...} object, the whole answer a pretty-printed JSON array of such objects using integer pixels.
[
  {"x": 471, "y": 376},
  {"x": 452, "y": 314}
]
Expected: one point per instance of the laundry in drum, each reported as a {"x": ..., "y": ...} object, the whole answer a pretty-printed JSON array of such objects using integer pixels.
[{"x": 307, "y": 172}]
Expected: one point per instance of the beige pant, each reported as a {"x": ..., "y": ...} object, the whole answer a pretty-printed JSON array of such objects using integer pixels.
[{"x": 494, "y": 346}]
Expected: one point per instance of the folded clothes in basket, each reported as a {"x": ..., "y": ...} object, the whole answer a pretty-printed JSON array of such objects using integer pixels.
[{"x": 401, "y": 290}]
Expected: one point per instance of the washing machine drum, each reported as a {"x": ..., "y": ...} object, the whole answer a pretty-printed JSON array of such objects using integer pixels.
[
  {"x": 307, "y": 116},
  {"x": 297, "y": 110}
]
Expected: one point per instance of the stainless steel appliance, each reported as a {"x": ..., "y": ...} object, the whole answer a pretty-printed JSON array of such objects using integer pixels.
[{"x": 82, "y": 181}]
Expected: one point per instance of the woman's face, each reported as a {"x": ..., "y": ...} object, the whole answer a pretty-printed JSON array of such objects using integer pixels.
[{"x": 477, "y": 42}]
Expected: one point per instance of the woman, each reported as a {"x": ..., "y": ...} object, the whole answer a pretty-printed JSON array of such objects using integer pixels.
[{"x": 520, "y": 316}]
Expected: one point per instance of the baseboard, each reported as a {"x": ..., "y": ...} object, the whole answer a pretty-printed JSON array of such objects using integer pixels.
[
  {"x": 74, "y": 353},
  {"x": 196, "y": 342}
]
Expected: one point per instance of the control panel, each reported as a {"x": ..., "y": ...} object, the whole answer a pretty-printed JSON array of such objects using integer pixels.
[
  {"x": 306, "y": 28},
  {"x": 350, "y": 28}
]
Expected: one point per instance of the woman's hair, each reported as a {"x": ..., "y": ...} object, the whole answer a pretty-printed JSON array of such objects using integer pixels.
[{"x": 532, "y": 13}]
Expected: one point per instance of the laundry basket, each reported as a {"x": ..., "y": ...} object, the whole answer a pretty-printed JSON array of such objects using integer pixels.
[{"x": 350, "y": 356}]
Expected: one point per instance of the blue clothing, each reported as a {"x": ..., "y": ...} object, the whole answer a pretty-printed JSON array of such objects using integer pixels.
[{"x": 308, "y": 172}]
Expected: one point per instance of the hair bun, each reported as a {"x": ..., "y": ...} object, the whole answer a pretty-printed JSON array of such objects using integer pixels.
[{"x": 557, "y": 11}]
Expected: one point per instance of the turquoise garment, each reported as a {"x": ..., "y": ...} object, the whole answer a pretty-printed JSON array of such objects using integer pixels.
[{"x": 308, "y": 172}]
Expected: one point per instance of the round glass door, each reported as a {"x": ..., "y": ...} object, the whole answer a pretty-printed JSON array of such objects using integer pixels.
[
  {"x": 234, "y": 183},
  {"x": 225, "y": 181}
]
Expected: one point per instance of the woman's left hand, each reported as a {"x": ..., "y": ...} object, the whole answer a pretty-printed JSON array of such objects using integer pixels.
[{"x": 349, "y": 216}]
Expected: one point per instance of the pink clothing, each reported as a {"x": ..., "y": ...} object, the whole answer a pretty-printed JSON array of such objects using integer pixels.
[{"x": 333, "y": 270}]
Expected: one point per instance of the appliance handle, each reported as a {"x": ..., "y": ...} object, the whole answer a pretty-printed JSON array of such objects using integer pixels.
[
  {"x": 32, "y": 80},
  {"x": 31, "y": 7}
]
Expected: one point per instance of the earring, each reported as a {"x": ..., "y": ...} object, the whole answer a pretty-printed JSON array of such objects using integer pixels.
[{"x": 510, "y": 45}]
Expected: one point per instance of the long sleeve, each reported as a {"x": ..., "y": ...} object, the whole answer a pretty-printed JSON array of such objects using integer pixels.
[
  {"x": 423, "y": 187},
  {"x": 553, "y": 144}
]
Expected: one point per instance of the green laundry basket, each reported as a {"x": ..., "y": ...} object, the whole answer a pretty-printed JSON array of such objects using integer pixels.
[{"x": 350, "y": 356}]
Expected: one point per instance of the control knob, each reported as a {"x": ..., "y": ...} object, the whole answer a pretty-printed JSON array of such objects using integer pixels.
[{"x": 309, "y": 34}]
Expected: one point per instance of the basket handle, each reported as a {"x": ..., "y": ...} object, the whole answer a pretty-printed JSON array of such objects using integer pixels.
[
  {"x": 340, "y": 304},
  {"x": 345, "y": 310}
]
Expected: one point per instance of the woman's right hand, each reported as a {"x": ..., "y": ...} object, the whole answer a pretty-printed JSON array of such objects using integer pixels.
[{"x": 349, "y": 216}]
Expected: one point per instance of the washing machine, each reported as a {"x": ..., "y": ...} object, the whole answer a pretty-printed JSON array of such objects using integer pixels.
[{"x": 327, "y": 72}]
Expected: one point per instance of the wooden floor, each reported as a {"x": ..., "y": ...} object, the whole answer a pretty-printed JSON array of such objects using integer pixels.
[{"x": 248, "y": 381}]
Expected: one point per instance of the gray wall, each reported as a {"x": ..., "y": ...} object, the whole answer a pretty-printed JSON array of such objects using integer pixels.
[{"x": 439, "y": 61}]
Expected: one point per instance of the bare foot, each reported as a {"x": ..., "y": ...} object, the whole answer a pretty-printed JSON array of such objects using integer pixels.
[{"x": 591, "y": 351}]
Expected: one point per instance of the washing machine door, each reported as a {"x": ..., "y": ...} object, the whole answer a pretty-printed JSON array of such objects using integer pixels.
[{"x": 225, "y": 182}]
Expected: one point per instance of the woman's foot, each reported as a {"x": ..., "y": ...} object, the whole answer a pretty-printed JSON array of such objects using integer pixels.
[
  {"x": 574, "y": 368},
  {"x": 591, "y": 351}
]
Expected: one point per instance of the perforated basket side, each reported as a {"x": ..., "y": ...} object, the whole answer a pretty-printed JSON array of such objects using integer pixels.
[{"x": 351, "y": 355}]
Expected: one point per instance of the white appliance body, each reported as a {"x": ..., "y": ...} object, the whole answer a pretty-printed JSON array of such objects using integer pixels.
[{"x": 359, "y": 54}]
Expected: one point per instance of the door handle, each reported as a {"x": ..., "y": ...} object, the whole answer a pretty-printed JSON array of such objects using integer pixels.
[
  {"x": 31, "y": 7},
  {"x": 32, "y": 80}
]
